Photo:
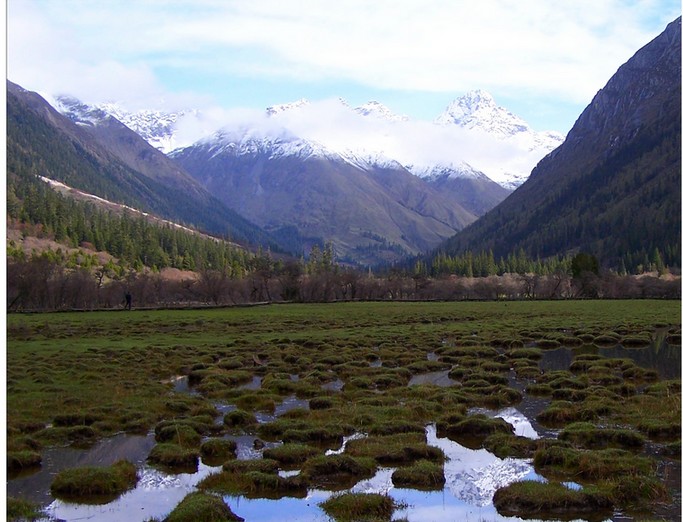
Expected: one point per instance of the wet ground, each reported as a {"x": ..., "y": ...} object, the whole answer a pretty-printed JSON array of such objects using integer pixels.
[{"x": 472, "y": 476}]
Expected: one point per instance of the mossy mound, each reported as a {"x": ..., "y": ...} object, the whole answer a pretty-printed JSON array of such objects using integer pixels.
[
  {"x": 337, "y": 471},
  {"x": 23, "y": 459},
  {"x": 423, "y": 475},
  {"x": 291, "y": 454},
  {"x": 202, "y": 506},
  {"x": 174, "y": 456},
  {"x": 395, "y": 450},
  {"x": 545, "y": 499},
  {"x": 588, "y": 435},
  {"x": 239, "y": 419},
  {"x": 254, "y": 483},
  {"x": 472, "y": 430},
  {"x": 216, "y": 451},
  {"x": 19, "y": 509},
  {"x": 95, "y": 481},
  {"x": 359, "y": 507}
]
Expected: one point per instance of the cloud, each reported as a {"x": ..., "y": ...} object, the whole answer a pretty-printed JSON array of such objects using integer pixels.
[{"x": 138, "y": 50}]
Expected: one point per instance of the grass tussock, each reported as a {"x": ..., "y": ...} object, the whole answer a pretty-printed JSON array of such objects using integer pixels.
[
  {"x": 95, "y": 481},
  {"x": 202, "y": 506},
  {"x": 423, "y": 475},
  {"x": 174, "y": 456},
  {"x": 545, "y": 499},
  {"x": 350, "y": 507}
]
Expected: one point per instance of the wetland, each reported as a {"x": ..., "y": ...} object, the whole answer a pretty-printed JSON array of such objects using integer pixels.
[{"x": 384, "y": 411}]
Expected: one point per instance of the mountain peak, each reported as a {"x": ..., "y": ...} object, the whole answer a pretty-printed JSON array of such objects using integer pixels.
[
  {"x": 283, "y": 107},
  {"x": 478, "y": 110},
  {"x": 379, "y": 110}
]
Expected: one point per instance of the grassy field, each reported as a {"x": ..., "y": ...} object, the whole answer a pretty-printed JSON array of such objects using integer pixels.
[{"x": 75, "y": 377}]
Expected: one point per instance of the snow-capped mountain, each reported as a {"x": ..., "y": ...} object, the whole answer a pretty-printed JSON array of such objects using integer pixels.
[
  {"x": 158, "y": 128},
  {"x": 283, "y": 107},
  {"x": 378, "y": 110},
  {"x": 472, "y": 131}
]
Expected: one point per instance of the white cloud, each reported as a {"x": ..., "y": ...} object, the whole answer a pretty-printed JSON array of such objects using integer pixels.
[{"x": 139, "y": 49}]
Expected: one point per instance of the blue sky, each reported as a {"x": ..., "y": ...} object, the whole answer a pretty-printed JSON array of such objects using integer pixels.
[{"x": 542, "y": 59}]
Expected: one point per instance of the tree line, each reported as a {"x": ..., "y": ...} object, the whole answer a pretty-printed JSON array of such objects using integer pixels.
[{"x": 218, "y": 272}]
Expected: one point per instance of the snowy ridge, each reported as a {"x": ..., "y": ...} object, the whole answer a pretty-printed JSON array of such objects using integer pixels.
[
  {"x": 474, "y": 138},
  {"x": 284, "y": 107},
  {"x": 477, "y": 110},
  {"x": 451, "y": 170},
  {"x": 377, "y": 110}
]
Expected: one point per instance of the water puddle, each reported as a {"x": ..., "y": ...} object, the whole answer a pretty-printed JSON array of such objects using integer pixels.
[
  {"x": 289, "y": 403},
  {"x": 440, "y": 378},
  {"x": 658, "y": 355},
  {"x": 156, "y": 494},
  {"x": 520, "y": 423},
  {"x": 472, "y": 477},
  {"x": 335, "y": 386},
  {"x": 254, "y": 384}
]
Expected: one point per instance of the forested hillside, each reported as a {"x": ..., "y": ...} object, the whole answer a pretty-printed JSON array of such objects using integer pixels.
[
  {"x": 42, "y": 142},
  {"x": 613, "y": 188}
]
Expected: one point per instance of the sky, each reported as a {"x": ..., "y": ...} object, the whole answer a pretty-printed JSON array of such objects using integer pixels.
[{"x": 544, "y": 60}]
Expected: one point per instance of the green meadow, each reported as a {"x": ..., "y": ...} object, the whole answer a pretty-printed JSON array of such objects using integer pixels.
[{"x": 75, "y": 378}]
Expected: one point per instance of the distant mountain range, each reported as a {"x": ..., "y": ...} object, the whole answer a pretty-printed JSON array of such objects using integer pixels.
[
  {"x": 381, "y": 186},
  {"x": 613, "y": 188},
  {"x": 370, "y": 131},
  {"x": 372, "y": 182}
]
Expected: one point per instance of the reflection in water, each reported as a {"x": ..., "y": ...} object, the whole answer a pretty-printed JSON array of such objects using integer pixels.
[
  {"x": 520, "y": 423},
  {"x": 156, "y": 495},
  {"x": 434, "y": 378},
  {"x": 658, "y": 355},
  {"x": 472, "y": 476}
]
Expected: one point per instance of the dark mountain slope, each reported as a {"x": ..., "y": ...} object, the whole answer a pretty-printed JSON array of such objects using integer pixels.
[
  {"x": 113, "y": 162},
  {"x": 613, "y": 188},
  {"x": 370, "y": 214}
]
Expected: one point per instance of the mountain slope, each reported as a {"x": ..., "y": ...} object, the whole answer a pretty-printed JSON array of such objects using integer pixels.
[
  {"x": 101, "y": 156},
  {"x": 613, "y": 188},
  {"x": 371, "y": 214}
]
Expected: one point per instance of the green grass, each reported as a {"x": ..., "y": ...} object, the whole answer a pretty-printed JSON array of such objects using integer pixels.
[
  {"x": 350, "y": 507},
  {"x": 95, "y": 481},
  {"x": 90, "y": 375},
  {"x": 202, "y": 506}
]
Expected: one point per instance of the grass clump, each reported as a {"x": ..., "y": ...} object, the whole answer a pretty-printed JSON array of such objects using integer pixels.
[
  {"x": 291, "y": 454},
  {"x": 587, "y": 435},
  {"x": 530, "y": 497},
  {"x": 239, "y": 419},
  {"x": 178, "y": 433},
  {"x": 23, "y": 459},
  {"x": 20, "y": 509},
  {"x": 217, "y": 451},
  {"x": 254, "y": 482},
  {"x": 93, "y": 481},
  {"x": 202, "y": 506},
  {"x": 337, "y": 470},
  {"x": 263, "y": 465},
  {"x": 350, "y": 507},
  {"x": 174, "y": 456},
  {"x": 395, "y": 450},
  {"x": 472, "y": 430},
  {"x": 593, "y": 464},
  {"x": 423, "y": 475}
]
